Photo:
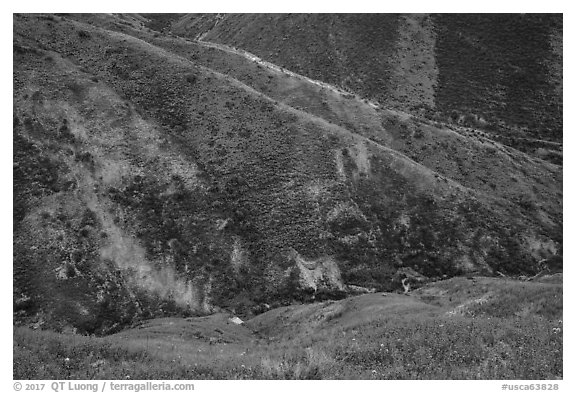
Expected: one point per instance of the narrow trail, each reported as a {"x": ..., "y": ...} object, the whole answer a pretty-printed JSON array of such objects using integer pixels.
[
  {"x": 278, "y": 69},
  {"x": 542, "y": 141}
]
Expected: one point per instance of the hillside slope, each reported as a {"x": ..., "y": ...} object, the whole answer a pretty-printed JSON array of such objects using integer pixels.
[
  {"x": 476, "y": 328},
  {"x": 499, "y": 72},
  {"x": 154, "y": 177}
]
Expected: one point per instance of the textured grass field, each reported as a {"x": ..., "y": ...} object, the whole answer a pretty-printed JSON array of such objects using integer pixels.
[{"x": 455, "y": 329}]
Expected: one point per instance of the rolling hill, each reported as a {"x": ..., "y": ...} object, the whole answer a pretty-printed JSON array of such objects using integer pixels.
[
  {"x": 481, "y": 328},
  {"x": 157, "y": 175}
]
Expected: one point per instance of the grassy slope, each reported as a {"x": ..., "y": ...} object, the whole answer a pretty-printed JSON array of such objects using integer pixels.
[
  {"x": 154, "y": 172},
  {"x": 498, "y": 72},
  {"x": 347, "y": 50},
  {"x": 461, "y": 154},
  {"x": 432, "y": 144},
  {"x": 496, "y": 67},
  {"x": 465, "y": 155},
  {"x": 454, "y": 329}
]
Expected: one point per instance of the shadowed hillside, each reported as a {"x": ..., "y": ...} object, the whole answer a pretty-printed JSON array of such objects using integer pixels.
[{"x": 157, "y": 176}]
